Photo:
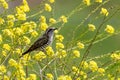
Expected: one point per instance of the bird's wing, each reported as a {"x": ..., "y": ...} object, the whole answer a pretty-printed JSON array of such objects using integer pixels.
[{"x": 39, "y": 43}]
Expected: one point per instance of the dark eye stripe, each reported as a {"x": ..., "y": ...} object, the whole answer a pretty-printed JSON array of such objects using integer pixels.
[{"x": 49, "y": 30}]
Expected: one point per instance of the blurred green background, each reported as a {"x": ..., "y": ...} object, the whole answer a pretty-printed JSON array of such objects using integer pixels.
[
  {"x": 108, "y": 45},
  {"x": 65, "y": 7}
]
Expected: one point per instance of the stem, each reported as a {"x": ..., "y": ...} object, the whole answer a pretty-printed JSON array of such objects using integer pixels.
[
  {"x": 6, "y": 59},
  {"x": 48, "y": 64},
  {"x": 26, "y": 69},
  {"x": 41, "y": 77},
  {"x": 55, "y": 69}
]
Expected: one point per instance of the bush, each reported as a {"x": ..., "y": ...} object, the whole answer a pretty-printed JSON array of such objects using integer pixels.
[{"x": 72, "y": 55}]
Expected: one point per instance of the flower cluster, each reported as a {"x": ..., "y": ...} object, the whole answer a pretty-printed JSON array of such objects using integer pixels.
[
  {"x": 63, "y": 19},
  {"x": 91, "y": 27},
  {"x": 21, "y": 10},
  {"x": 64, "y": 59},
  {"x": 43, "y": 24},
  {"x": 109, "y": 29},
  {"x": 39, "y": 56},
  {"x": 115, "y": 56},
  {"x": 64, "y": 77},
  {"x": 104, "y": 11},
  {"x": 4, "y": 4}
]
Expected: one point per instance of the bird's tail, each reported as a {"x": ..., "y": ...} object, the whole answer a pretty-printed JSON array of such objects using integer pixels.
[{"x": 24, "y": 53}]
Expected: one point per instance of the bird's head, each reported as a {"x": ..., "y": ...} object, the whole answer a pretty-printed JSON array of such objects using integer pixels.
[{"x": 50, "y": 30}]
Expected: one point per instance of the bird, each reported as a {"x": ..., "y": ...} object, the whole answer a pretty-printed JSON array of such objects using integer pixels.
[{"x": 42, "y": 42}]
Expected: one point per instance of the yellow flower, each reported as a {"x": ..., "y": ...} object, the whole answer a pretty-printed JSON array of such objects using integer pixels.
[
  {"x": 59, "y": 45},
  {"x": 19, "y": 11},
  {"x": 48, "y": 7},
  {"x": 8, "y": 32},
  {"x": 1, "y": 1},
  {"x": 43, "y": 26},
  {"x": 93, "y": 66},
  {"x": 2, "y": 69},
  {"x": 25, "y": 8},
  {"x": 34, "y": 33},
  {"x": 25, "y": 27},
  {"x": 28, "y": 26},
  {"x": 82, "y": 73},
  {"x": 101, "y": 70},
  {"x": 18, "y": 31},
  {"x": 11, "y": 17},
  {"x": 42, "y": 19},
  {"x": 84, "y": 64},
  {"x": 12, "y": 62},
  {"x": 21, "y": 16},
  {"x": 49, "y": 76},
  {"x": 80, "y": 45},
  {"x": 99, "y": 1},
  {"x": 61, "y": 53},
  {"x": 52, "y": 20},
  {"x": 68, "y": 77},
  {"x": 118, "y": 78},
  {"x": 5, "y": 5},
  {"x": 26, "y": 58},
  {"x": 59, "y": 38},
  {"x": 0, "y": 39},
  {"x": 75, "y": 70},
  {"x": 39, "y": 56},
  {"x": 111, "y": 77},
  {"x": 91, "y": 27},
  {"x": 20, "y": 73},
  {"x": 32, "y": 24},
  {"x": 87, "y": 2},
  {"x": 21, "y": 78},
  {"x": 1, "y": 21},
  {"x": 32, "y": 77},
  {"x": 19, "y": 66},
  {"x": 6, "y": 47},
  {"x": 26, "y": 40},
  {"x": 76, "y": 53},
  {"x": 109, "y": 29},
  {"x": 10, "y": 23},
  {"x": 63, "y": 19},
  {"x": 64, "y": 77},
  {"x": 104, "y": 11},
  {"x": 51, "y": 1},
  {"x": 4, "y": 53},
  {"x": 18, "y": 51},
  {"x": 6, "y": 77},
  {"x": 49, "y": 51},
  {"x": 115, "y": 56}
]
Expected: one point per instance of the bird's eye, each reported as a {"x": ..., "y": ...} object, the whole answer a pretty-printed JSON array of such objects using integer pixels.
[{"x": 49, "y": 30}]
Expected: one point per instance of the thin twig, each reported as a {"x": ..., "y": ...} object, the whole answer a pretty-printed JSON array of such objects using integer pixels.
[
  {"x": 6, "y": 59},
  {"x": 47, "y": 64}
]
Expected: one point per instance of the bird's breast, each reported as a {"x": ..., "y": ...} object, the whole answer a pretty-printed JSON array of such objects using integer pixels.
[{"x": 50, "y": 39}]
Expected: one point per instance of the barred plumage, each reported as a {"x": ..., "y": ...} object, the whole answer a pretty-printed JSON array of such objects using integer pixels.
[{"x": 45, "y": 40}]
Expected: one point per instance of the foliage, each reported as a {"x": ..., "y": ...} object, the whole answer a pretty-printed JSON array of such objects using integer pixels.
[{"x": 65, "y": 60}]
